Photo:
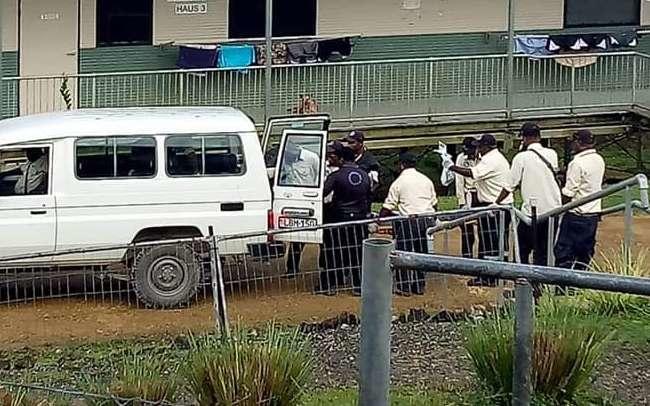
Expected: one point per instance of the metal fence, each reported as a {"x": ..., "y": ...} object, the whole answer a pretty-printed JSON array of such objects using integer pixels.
[{"x": 355, "y": 91}]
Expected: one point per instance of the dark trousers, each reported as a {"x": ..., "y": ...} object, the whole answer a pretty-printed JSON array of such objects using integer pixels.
[
  {"x": 342, "y": 253},
  {"x": 526, "y": 241},
  {"x": 294, "y": 253},
  {"x": 411, "y": 236},
  {"x": 489, "y": 233},
  {"x": 576, "y": 241}
]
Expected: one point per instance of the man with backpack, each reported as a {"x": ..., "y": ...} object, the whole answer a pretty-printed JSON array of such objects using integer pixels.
[{"x": 534, "y": 170}]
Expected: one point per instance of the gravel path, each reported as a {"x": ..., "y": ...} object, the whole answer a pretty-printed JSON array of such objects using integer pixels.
[{"x": 431, "y": 355}]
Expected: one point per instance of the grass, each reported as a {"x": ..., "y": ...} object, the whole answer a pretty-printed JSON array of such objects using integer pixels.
[
  {"x": 399, "y": 397},
  {"x": 565, "y": 352}
]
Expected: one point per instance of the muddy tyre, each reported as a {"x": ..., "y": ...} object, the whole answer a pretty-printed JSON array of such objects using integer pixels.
[{"x": 166, "y": 276}]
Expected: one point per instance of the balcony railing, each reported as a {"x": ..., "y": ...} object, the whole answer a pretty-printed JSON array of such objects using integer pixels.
[{"x": 359, "y": 91}]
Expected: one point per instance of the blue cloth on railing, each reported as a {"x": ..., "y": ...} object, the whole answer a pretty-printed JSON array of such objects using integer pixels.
[
  {"x": 236, "y": 56},
  {"x": 532, "y": 45},
  {"x": 197, "y": 56},
  {"x": 624, "y": 39}
]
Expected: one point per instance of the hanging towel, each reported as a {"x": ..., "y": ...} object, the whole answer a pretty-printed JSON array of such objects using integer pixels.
[
  {"x": 624, "y": 39},
  {"x": 236, "y": 56},
  {"x": 303, "y": 52},
  {"x": 334, "y": 49},
  {"x": 597, "y": 42},
  {"x": 196, "y": 56},
  {"x": 278, "y": 54},
  {"x": 557, "y": 43},
  {"x": 532, "y": 45},
  {"x": 577, "y": 62}
]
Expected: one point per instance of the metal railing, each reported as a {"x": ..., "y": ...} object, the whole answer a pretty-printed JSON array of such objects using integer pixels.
[{"x": 358, "y": 91}]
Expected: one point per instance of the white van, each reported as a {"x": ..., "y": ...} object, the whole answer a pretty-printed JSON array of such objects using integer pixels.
[{"x": 104, "y": 177}]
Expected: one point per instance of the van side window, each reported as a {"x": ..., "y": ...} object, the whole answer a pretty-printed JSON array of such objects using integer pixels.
[
  {"x": 204, "y": 155},
  {"x": 24, "y": 171},
  {"x": 301, "y": 161},
  {"x": 117, "y": 157}
]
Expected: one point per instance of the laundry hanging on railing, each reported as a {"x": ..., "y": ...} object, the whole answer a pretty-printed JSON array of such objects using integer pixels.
[
  {"x": 532, "y": 45},
  {"x": 333, "y": 50},
  {"x": 236, "y": 56},
  {"x": 624, "y": 39},
  {"x": 566, "y": 43},
  {"x": 279, "y": 54},
  {"x": 577, "y": 61},
  {"x": 197, "y": 56},
  {"x": 303, "y": 52}
]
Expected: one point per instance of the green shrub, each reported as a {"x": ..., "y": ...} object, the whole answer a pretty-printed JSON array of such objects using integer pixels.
[
  {"x": 618, "y": 262},
  {"x": 247, "y": 370},
  {"x": 566, "y": 349},
  {"x": 139, "y": 376}
]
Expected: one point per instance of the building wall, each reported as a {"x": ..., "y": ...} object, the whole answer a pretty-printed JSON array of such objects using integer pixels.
[
  {"x": 198, "y": 28},
  {"x": 9, "y": 25},
  {"x": 386, "y": 17},
  {"x": 645, "y": 12},
  {"x": 88, "y": 26}
]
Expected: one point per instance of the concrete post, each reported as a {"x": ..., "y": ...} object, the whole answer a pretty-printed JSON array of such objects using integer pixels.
[
  {"x": 376, "y": 301},
  {"x": 523, "y": 352},
  {"x": 268, "y": 88}
]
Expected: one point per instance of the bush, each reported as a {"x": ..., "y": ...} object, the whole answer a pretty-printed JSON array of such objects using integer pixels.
[
  {"x": 19, "y": 398},
  {"x": 140, "y": 377},
  {"x": 618, "y": 262},
  {"x": 249, "y": 370},
  {"x": 566, "y": 349}
]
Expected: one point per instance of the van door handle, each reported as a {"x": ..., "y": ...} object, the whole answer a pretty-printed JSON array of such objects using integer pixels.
[
  {"x": 310, "y": 194},
  {"x": 38, "y": 212},
  {"x": 232, "y": 206}
]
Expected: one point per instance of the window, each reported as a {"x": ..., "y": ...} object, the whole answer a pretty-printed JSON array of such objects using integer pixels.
[
  {"x": 133, "y": 157},
  {"x": 301, "y": 161},
  {"x": 124, "y": 22},
  {"x": 594, "y": 13},
  {"x": 201, "y": 155},
  {"x": 24, "y": 171},
  {"x": 247, "y": 18}
]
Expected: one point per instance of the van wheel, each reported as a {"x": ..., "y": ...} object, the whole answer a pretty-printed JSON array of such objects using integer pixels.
[{"x": 166, "y": 276}]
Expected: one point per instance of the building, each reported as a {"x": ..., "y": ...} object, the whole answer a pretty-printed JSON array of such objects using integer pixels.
[{"x": 54, "y": 37}]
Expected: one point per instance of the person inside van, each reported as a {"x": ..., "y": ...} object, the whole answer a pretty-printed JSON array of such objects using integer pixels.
[
  {"x": 300, "y": 167},
  {"x": 33, "y": 178}
]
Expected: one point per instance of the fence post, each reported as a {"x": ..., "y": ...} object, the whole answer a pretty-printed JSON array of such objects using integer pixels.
[
  {"x": 523, "y": 351},
  {"x": 627, "y": 240},
  {"x": 376, "y": 300},
  {"x": 510, "y": 85},
  {"x": 352, "y": 91},
  {"x": 573, "y": 88},
  {"x": 218, "y": 288},
  {"x": 550, "y": 254},
  {"x": 635, "y": 67}
]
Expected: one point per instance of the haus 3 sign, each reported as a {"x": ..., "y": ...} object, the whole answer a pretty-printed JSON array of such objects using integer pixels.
[{"x": 190, "y": 7}]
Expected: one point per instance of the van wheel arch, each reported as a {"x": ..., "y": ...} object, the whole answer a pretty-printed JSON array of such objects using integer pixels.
[{"x": 166, "y": 233}]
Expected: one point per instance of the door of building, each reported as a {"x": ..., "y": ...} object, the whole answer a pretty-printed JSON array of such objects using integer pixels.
[{"x": 48, "y": 50}]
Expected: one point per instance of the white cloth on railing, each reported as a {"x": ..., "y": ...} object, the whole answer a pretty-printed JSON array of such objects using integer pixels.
[{"x": 577, "y": 62}]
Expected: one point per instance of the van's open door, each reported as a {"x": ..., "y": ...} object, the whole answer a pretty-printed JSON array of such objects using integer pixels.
[
  {"x": 298, "y": 184},
  {"x": 275, "y": 127}
]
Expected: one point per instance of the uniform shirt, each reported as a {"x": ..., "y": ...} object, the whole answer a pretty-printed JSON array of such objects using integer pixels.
[
  {"x": 303, "y": 171},
  {"x": 34, "y": 178},
  {"x": 538, "y": 185},
  {"x": 491, "y": 175},
  {"x": 351, "y": 187},
  {"x": 584, "y": 176},
  {"x": 411, "y": 193},
  {"x": 464, "y": 186},
  {"x": 369, "y": 163}
]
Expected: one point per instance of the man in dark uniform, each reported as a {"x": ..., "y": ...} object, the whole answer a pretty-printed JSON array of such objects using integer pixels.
[
  {"x": 364, "y": 158},
  {"x": 349, "y": 187}
]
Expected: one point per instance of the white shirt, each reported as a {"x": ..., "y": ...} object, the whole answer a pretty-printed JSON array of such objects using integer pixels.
[
  {"x": 491, "y": 175},
  {"x": 302, "y": 172},
  {"x": 34, "y": 176},
  {"x": 538, "y": 185},
  {"x": 584, "y": 176},
  {"x": 411, "y": 193},
  {"x": 464, "y": 185}
]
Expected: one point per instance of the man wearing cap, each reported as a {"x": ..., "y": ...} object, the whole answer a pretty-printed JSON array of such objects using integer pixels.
[
  {"x": 491, "y": 174},
  {"x": 364, "y": 158},
  {"x": 466, "y": 193},
  {"x": 349, "y": 186},
  {"x": 534, "y": 171},
  {"x": 300, "y": 167},
  {"x": 412, "y": 193},
  {"x": 577, "y": 238}
]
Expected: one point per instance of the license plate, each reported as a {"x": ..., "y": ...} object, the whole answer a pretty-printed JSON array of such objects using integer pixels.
[{"x": 294, "y": 222}]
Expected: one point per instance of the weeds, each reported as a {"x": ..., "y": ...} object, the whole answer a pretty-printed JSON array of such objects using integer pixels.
[
  {"x": 249, "y": 370},
  {"x": 566, "y": 350}
]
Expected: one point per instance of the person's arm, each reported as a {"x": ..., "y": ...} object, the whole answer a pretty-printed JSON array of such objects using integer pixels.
[
  {"x": 572, "y": 183},
  {"x": 502, "y": 196},
  {"x": 460, "y": 183},
  {"x": 329, "y": 184},
  {"x": 466, "y": 172},
  {"x": 516, "y": 174},
  {"x": 392, "y": 201}
]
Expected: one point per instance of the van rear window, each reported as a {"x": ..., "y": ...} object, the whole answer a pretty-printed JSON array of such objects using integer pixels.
[
  {"x": 205, "y": 155},
  {"x": 118, "y": 157}
]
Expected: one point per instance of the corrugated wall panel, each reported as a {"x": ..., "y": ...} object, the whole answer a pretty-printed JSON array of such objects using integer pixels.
[
  {"x": 9, "y": 25},
  {"x": 127, "y": 59},
  {"x": 193, "y": 28},
  {"x": 9, "y": 90}
]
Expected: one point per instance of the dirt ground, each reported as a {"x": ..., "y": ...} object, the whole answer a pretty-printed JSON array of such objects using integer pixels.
[{"x": 74, "y": 320}]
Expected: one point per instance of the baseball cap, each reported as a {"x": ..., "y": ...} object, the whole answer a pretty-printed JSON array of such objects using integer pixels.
[
  {"x": 487, "y": 140},
  {"x": 584, "y": 137},
  {"x": 469, "y": 142},
  {"x": 335, "y": 147},
  {"x": 408, "y": 158},
  {"x": 530, "y": 129},
  {"x": 356, "y": 135}
]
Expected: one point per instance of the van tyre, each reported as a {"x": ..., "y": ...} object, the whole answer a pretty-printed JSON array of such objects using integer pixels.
[{"x": 166, "y": 276}]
